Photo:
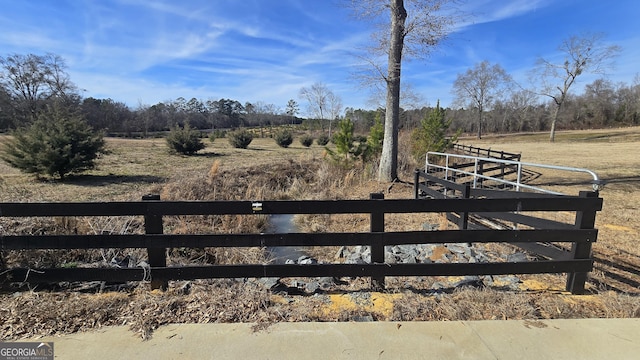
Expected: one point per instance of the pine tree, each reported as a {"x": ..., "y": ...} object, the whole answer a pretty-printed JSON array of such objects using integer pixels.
[
  {"x": 184, "y": 140},
  {"x": 431, "y": 135},
  {"x": 58, "y": 143},
  {"x": 375, "y": 138}
]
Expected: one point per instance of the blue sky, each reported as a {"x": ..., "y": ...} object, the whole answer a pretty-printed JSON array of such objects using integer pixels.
[{"x": 146, "y": 51}]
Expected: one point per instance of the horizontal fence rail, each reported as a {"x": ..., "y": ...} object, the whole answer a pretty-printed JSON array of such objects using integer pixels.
[
  {"x": 156, "y": 242},
  {"x": 476, "y": 169},
  {"x": 428, "y": 186},
  {"x": 478, "y": 151}
]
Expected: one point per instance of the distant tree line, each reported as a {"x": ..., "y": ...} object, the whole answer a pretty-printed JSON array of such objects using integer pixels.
[
  {"x": 30, "y": 83},
  {"x": 603, "y": 104},
  {"x": 118, "y": 118}
]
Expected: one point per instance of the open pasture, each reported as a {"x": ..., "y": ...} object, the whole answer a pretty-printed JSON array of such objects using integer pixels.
[{"x": 134, "y": 168}]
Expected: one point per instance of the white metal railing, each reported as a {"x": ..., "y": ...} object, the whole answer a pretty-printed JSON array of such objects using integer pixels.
[{"x": 597, "y": 183}]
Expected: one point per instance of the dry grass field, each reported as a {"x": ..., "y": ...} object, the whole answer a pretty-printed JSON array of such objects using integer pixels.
[
  {"x": 615, "y": 156},
  {"x": 134, "y": 168}
]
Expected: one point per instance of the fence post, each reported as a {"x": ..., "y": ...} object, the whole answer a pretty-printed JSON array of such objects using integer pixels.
[
  {"x": 502, "y": 164},
  {"x": 416, "y": 183},
  {"x": 377, "y": 244},
  {"x": 157, "y": 256},
  {"x": 463, "y": 221},
  {"x": 582, "y": 250},
  {"x": 481, "y": 173}
]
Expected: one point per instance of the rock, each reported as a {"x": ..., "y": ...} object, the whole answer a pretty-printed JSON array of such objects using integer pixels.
[
  {"x": 312, "y": 286},
  {"x": 306, "y": 260},
  {"x": 407, "y": 259},
  {"x": 269, "y": 282},
  {"x": 325, "y": 283},
  {"x": 517, "y": 257},
  {"x": 430, "y": 227},
  {"x": 458, "y": 248}
]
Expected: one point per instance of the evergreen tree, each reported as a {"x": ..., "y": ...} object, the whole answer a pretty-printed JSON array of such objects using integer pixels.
[
  {"x": 240, "y": 139},
  {"x": 348, "y": 148},
  {"x": 58, "y": 143},
  {"x": 375, "y": 138},
  {"x": 343, "y": 138},
  {"x": 284, "y": 138},
  {"x": 431, "y": 135},
  {"x": 185, "y": 140}
]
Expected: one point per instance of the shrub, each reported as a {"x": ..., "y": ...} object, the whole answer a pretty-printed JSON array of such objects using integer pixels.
[
  {"x": 240, "y": 139},
  {"x": 283, "y": 138},
  {"x": 184, "y": 140},
  {"x": 323, "y": 140},
  {"x": 58, "y": 143},
  {"x": 306, "y": 140},
  {"x": 217, "y": 133}
]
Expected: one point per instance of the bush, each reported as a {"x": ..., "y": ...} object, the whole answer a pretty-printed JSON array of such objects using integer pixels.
[
  {"x": 283, "y": 138},
  {"x": 240, "y": 139},
  {"x": 58, "y": 143},
  {"x": 217, "y": 133},
  {"x": 306, "y": 140},
  {"x": 322, "y": 140},
  {"x": 184, "y": 140}
]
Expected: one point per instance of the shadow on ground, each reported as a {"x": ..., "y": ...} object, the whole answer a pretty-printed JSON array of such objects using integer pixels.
[{"x": 102, "y": 180}]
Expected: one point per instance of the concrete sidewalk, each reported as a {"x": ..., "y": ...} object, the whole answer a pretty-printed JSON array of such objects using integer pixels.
[{"x": 547, "y": 339}]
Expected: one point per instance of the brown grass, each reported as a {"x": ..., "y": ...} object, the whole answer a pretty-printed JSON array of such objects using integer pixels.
[
  {"x": 613, "y": 155},
  {"x": 265, "y": 171}
]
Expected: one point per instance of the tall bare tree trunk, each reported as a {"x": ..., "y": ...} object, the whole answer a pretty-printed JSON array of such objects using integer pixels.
[
  {"x": 554, "y": 119},
  {"x": 558, "y": 101},
  {"x": 480, "y": 111},
  {"x": 388, "y": 170}
]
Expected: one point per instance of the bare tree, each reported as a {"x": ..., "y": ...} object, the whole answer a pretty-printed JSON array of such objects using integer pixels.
[
  {"x": 410, "y": 99},
  {"x": 581, "y": 54},
  {"x": 322, "y": 102},
  {"x": 335, "y": 108},
  {"x": 317, "y": 97},
  {"x": 521, "y": 103},
  {"x": 33, "y": 79},
  {"x": 406, "y": 27},
  {"x": 481, "y": 86}
]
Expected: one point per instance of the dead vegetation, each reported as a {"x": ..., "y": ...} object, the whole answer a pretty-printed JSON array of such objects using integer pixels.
[{"x": 138, "y": 167}]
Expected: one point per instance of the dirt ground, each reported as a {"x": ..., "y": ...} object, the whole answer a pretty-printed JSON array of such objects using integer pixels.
[{"x": 138, "y": 167}]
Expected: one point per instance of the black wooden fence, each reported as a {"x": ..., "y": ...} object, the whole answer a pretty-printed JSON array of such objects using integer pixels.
[
  {"x": 585, "y": 206},
  {"x": 478, "y": 151},
  {"x": 577, "y": 263}
]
